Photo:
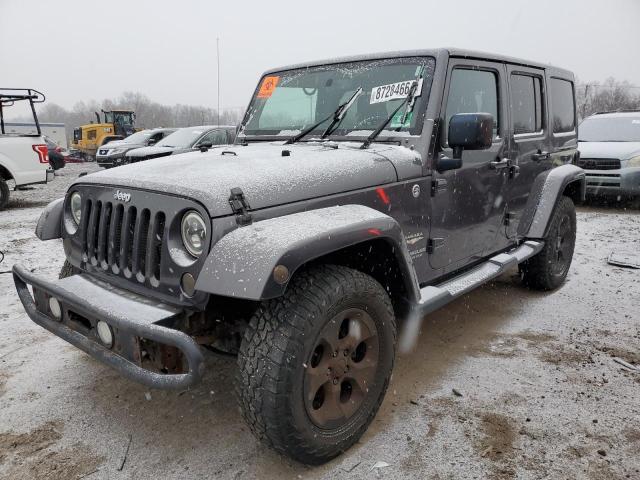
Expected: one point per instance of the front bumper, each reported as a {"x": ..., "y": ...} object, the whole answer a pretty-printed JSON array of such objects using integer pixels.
[
  {"x": 133, "y": 319},
  {"x": 623, "y": 181},
  {"x": 110, "y": 160}
]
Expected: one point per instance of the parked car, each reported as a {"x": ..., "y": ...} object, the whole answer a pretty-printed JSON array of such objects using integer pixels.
[
  {"x": 184, "y": 140},
  {"x": 361, "y": 194},
  {"x": 24, "y": 157},
  {"x": 113, "y": 153},
  {"x": 57, "y": 154},
  {"x": 610, "y": 153}
]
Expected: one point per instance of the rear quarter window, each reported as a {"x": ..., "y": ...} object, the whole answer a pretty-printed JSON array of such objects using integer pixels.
[{"x": 562, "y": 105}]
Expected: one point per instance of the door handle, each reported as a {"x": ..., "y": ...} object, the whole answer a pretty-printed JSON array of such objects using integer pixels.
[
  {"x": 500, "y": 164},
  {"x": 536, "y": 157}
]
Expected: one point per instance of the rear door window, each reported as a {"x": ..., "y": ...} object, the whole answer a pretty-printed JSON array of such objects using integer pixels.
[
  {"x": 526, "y": 104},
  {"x": 562, "y": 105}
]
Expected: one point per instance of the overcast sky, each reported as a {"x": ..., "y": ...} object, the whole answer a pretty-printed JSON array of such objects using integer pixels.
[{"x": 82, "y": 50}]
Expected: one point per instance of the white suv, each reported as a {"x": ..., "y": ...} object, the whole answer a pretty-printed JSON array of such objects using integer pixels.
[{"x": 23, "y": 156}]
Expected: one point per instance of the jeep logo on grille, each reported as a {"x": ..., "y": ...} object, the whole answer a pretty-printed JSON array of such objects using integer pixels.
[{"x": 122, "y": 196}]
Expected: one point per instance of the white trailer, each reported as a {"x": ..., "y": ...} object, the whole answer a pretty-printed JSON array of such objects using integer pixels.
[{"x": 55, "y": 131}]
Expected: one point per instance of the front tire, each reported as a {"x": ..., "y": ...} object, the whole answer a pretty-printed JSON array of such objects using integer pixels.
[
  {"x": 314, "y": 364},
  {"x": 4, "y": 194},
  {"x": 549, "y": 268}
]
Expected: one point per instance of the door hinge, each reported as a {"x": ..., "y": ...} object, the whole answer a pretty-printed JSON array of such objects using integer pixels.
[
  {"x": 434, "y": 243},
  {"x": 438, "y": 185},
  {"x": 240, "y": 207}
]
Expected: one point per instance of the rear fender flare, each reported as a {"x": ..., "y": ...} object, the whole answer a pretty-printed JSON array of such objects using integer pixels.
[
  {"x": 548, "y": 188},
  {"x": 241, "y": 264}
]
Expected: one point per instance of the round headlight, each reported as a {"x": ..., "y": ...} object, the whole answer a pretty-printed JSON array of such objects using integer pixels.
[
  {"x": 194, "y": 233},
  {"x": 75, "y": 205}
]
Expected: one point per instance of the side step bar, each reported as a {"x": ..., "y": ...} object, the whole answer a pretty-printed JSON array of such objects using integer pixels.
[{"x": 434, "y": 297}]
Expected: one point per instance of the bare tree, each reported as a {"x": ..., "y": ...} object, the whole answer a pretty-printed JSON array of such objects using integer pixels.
[
  {"x": 149, "y": 114},
  {"x": 609, "y": 96}
]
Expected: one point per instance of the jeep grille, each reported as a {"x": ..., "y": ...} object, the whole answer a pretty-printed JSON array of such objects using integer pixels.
[
  {"x": 130, "y": 243},
  {"x": 124, "y": 239}
]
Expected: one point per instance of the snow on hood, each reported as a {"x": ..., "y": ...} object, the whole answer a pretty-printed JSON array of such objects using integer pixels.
[
  {"x": 116, "y": 143},
  {"x": 620, "y": 150},
  {"x": 153, "y": 150},
  {"x": 266, "y": 177}
]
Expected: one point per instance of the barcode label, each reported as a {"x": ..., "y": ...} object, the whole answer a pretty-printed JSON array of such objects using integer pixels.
[{"x": 393, "y": 91}]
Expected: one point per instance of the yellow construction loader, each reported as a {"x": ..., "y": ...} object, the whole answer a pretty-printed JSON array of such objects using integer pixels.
[{"x": 115, "y": 125}]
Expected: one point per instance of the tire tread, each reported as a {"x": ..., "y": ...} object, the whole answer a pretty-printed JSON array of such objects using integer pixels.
[{"x": 271, "y": 346}]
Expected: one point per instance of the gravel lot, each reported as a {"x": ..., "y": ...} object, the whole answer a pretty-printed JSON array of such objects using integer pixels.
[{"x": 538, "y": 392}]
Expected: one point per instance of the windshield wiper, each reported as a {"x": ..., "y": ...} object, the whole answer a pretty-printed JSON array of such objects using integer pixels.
[
  {"x": 409, "y": 101},
  {"x": 337, "y": 115}
]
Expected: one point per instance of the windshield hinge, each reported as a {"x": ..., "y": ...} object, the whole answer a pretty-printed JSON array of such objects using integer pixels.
[
  {"x": 433, "y": 244},
  {"x": 438, "y": 185},
  {"x": 240, "y": 207}
]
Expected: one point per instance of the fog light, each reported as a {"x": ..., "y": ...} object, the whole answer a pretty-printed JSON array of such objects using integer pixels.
[
  {"x": 105, "y": 334},
  {"x": 55, "y": 308},
  {"x": 188, "y": 284}
]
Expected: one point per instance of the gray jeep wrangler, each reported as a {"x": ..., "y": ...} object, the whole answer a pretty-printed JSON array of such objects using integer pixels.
[{"x": 360, "y": 195}]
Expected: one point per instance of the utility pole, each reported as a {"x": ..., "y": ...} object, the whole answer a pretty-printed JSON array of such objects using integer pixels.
[
  {"x": 586, "y": 100},
  {"x": 218, "y": 62}
]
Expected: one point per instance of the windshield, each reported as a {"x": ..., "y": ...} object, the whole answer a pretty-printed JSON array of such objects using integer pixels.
[
  {"x": 610, "y": 129},
  {"x": 123, "y": 118},
  {"x": 288, "y": 102},
  {"x": 138, "y": 137},
  {"x": 185, "y": 137}
]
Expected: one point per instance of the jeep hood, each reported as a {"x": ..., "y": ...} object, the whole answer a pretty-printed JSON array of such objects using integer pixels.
[
  {"x": 268, "y": 174},
  {"x": 619, "y": 150}
]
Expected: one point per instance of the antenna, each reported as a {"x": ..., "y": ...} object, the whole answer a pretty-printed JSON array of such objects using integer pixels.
[{"x": 218, "y": 61}]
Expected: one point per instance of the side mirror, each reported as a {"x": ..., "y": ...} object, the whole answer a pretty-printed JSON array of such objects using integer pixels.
[
  {"x": 470, "y": 131},
  {"x": 151, "y": 141},
  {"x": 204, "y": 146}
]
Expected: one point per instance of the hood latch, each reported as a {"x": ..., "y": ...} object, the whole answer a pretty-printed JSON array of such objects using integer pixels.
[{"x": 240, "y": 207}]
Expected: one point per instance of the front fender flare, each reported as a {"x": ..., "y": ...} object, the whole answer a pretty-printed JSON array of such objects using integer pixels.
[
  {"x": 547, "y": 189},
  {"x": 49, "y": 224},
  {"x": 241, "y": 264}
]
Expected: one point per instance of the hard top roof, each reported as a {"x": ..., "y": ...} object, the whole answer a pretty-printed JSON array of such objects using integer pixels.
[{"x": 436, "y": 52}]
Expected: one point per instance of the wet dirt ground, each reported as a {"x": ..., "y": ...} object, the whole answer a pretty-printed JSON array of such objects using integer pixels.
[{"x": 504, "y": 383}]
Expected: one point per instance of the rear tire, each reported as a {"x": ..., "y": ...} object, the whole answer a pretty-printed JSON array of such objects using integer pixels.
[
  {"x": 4, "y": 194},
  {"x": 549, "y": 268},
  {"x": 314, "y": 364}
]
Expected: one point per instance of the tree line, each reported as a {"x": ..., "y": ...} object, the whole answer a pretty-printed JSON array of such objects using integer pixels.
[
  {"x": 149, "y": 114},
  {"x": 610, "y": 95}
]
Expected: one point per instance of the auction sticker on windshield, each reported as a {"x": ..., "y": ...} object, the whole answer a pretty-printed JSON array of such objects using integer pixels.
[
  {"x": 393, "y": 91},
  {"x": 269, "y": 84}
]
